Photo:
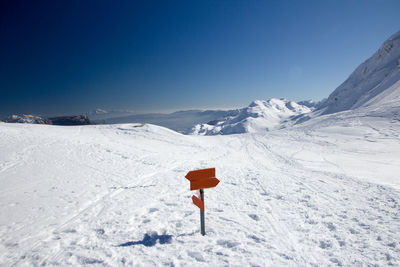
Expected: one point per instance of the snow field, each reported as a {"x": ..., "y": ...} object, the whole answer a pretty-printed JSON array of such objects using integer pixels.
[{"x": 115, "y": 195}]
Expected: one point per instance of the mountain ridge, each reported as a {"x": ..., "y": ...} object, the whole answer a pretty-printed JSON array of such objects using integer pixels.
[
  {"x": 260, "y": 115},
  {"x": 371, "y": 78}
]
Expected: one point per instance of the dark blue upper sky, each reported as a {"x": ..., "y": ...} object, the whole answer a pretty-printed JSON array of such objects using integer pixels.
[{"x": 66, "y": 57}]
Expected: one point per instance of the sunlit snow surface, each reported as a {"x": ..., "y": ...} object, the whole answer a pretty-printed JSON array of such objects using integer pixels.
[
  {"x": 369, "y": 82},
  {"x": 259, "y": 116},
  {"x": 116, "y": 195}
]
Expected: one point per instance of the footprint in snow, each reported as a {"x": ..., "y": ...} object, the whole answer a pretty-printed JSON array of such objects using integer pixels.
[
  {"x": 330, "y": 226},
  {"x": 256, "y": 238},
  {"x": 335, "y": 260},
  {"x": 254, "y": 217},
  {"x": 69, "y": 231},
  {"x": 325, "y": 244},
  {"x": 227, "y": 243},
  {"x": 196, "y": 255},
  {"x": 353, "y": 231},
  {"x": 99, "y": 231}
]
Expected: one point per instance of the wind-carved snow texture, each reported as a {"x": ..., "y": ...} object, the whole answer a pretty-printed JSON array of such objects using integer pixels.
[
  {"x": 116, "y": 195},
  {"x": 259, "y": 116}
]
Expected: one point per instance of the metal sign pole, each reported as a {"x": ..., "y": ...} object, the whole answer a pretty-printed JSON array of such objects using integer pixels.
[{"x": 202, "y": 226}]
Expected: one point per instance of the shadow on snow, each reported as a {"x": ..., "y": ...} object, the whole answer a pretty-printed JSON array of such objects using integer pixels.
[{"x": 149, "y": 240}]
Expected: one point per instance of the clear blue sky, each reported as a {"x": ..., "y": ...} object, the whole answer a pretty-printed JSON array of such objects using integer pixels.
[{"x": 67, "y": 57}]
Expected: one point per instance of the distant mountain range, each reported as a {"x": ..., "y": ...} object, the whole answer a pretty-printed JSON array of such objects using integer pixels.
[
  {"x": 258, "y": 116},
  {"x": 372, "y": 89},
  {"x": 271, "y": 113},
  {"x": 64, "y": 121},
  {"x": 180, "y": 121}
]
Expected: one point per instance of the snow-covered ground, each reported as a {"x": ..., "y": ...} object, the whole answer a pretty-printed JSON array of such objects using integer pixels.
[{"x": 116, "y": 195}]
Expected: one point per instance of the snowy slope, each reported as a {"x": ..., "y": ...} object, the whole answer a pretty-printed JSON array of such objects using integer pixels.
[
  {"x": 369, "y": 81},
  {"x": 115, "y": 195},
  {"x": 312, "y": 104},
  {"x": 259, "y": 116}
]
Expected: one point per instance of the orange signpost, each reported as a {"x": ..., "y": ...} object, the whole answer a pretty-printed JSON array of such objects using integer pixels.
[
  {"x": 198, "y": 202},
  {"x": 201, "y": 179}
]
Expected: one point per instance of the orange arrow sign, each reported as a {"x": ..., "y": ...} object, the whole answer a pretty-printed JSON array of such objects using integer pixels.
[
  {"x": 200, "y": 174},
  {"x": 201, "y": 179},
  {"x": 197, "y": 201},
  {"x": 206, "y": 183}
]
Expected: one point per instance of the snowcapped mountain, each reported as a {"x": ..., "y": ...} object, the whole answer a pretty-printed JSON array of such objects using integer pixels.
[
  {"x": 64, "y": 120},
  {"x": 373, "y": 89},
  {"x": 27, "y": 119},
  {"x": 103, "y": 114},
  {"x": 100, "y": 111},
  {"x": 259, "y": 116},
  {"x": 374, "y": 83},
  {"x": 179, "y": 121},
  {"x": 312, "y": 104}
]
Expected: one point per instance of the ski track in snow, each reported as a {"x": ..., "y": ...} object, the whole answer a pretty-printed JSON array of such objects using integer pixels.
[{"x": 115, "y": 195}]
